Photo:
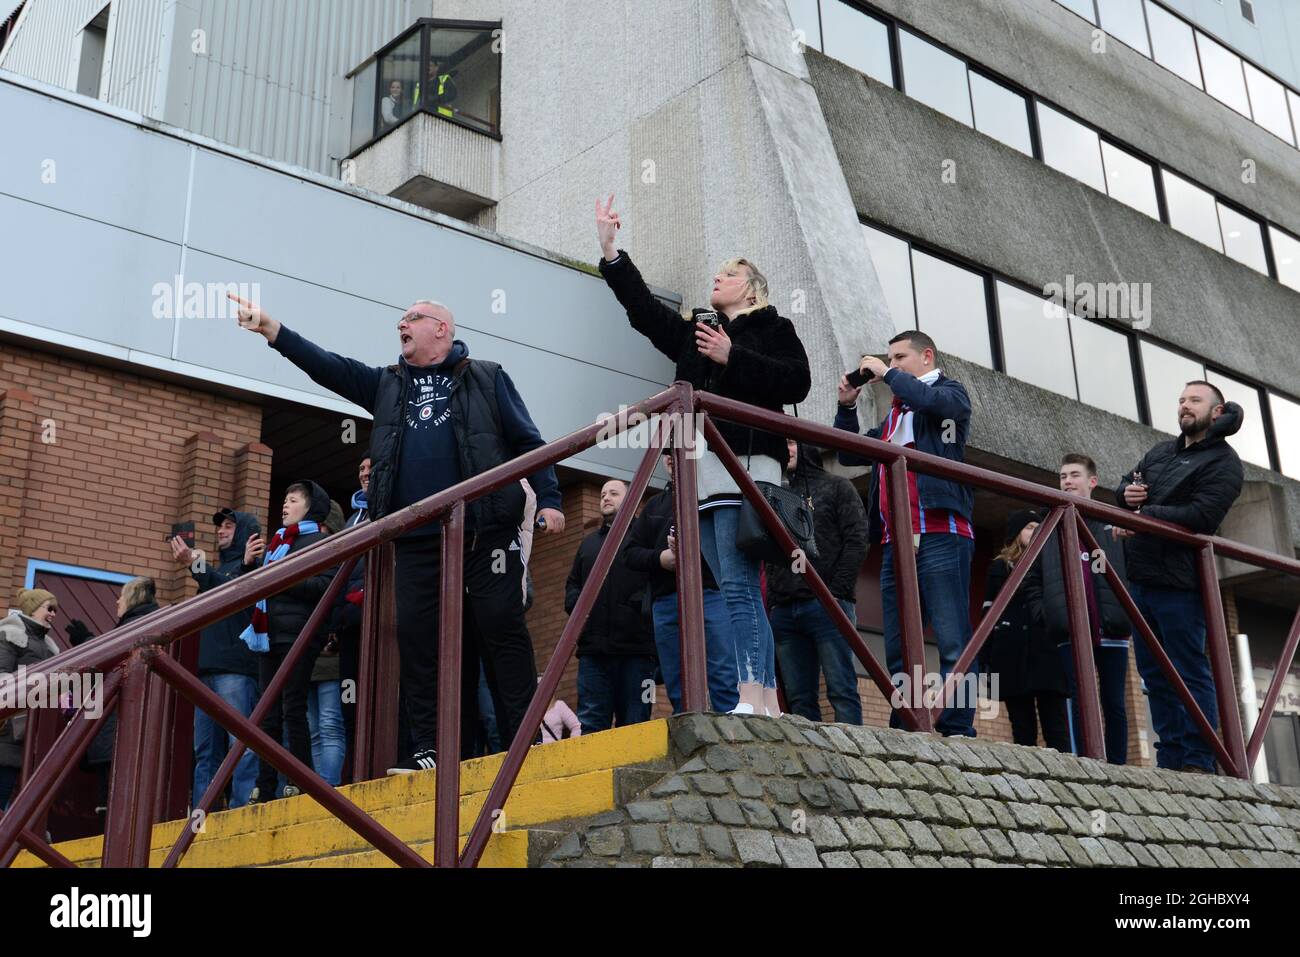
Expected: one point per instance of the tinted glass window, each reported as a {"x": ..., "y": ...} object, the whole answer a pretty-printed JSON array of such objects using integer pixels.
[
  {"x": 1071, "y": 147},
  {"x": 1123, "y": 20},
  {"x": 1249, "y": 442},
  {"x": 1243, "y": 239},
  {"x": 1130, "y": 180},
  {"x": 1223, "y": 77},
  {"x": 1036, "y": 340},
  {"x": 1082, "y": 7},
  {"x": 1286, "y": 254},
  {"x": 1268, "y": 101},
  {"x": 1193, "y": 211},
  {"x": 1001, "y": 113},
  {"x": 1167, "y": 373},
  {"x": 1103, "y": 368},
  {"x": 1286, "y": 427},
  {"x": 893, "y": 263},
  {"x": 1173, "y": 44},
  {"x": 857, "y": 39},
  {"x": 951, "y": 307},
  {"x": 935, "y": 77}
]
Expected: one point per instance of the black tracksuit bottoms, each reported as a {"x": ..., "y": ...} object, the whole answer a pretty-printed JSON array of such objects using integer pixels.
[{"x": 493, "y": 629}]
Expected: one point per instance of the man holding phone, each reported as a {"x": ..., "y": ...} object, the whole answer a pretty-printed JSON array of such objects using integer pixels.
[{"x": 930, "y": 412}]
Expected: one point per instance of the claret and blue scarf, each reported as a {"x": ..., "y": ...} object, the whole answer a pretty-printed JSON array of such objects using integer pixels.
[{"x": 257, "y": 634}]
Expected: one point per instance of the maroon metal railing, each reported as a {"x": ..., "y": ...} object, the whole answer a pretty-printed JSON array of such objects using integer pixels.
[{"x": 142, "y": 674}]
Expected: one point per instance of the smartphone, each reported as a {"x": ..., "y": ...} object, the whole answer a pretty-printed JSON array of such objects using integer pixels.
[
  {"x": 185, "y": 530},
  {"x": 857, "y": 379},
  {"x": 710, "y": 319}
]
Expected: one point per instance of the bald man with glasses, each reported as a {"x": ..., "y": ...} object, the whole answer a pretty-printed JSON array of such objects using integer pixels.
[{"x": 441, "y": 417}]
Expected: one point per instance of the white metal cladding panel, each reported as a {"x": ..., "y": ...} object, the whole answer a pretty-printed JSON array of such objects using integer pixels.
[
  {"x": 135, "y": 52},
  {"x": 44, "y": 47},
  {"x": 265, "y": 84}
]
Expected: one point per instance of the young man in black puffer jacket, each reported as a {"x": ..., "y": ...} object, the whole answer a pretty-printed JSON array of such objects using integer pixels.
[
  {"x": 279, "y": 620},
  {"x": 1192, "y": 481},
  {"x": 807, "y": 641}
]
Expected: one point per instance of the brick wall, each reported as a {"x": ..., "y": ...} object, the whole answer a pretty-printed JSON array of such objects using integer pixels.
[{"x": 96, "y": 464}]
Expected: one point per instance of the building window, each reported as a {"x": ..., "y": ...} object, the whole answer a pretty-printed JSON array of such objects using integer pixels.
[
  {"x": 1104, "y": 368},
  {"x": 1286, "y": 256},
  {"x": 1167, "y": 374},
  {"x": 1268, "y": 103},
  {"x": 892, "y": 259},
  {"x": 1286, "y": 427},
  {"x": 1071, "y": 147},
  {"x": 1036, "y": 340},
  {"x": 951, "y": 307},
  {"x": 1192, "y": 211},
  {"x": 1130, "y": 180},
  {"x": 858, "y": 39},
  {"x": 94, "y": 50},
  {"x": 1123, "y": 20},
  {"x": 1251, "y": 442},
  {"x": 803, "y": 17},
  {"x": 450, "y": 69},
  {"x": 934, "y": 77},
  {"x": 1001, "y": 113},
  {"x": 1083, "y": 8},
  {"x": 1224, "y": 79},
  {"x": 1243, "y": 239},
  {"x": 1173, "y": 44}
]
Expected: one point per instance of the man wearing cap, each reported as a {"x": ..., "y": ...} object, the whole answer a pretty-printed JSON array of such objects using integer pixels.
[{"x": 226, "y": 665}]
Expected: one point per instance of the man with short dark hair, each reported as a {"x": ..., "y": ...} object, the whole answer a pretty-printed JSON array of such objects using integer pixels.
[
  {"x": 1192, "y": 481},
  {"x": 931, "y": 413},
  {"x": 1108, "y": 624},
  {"x": 616, "y": 651}
]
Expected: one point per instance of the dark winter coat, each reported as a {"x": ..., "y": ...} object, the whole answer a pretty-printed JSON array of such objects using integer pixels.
[
  {"x": 840, "y": 527},
  {"x": 221, "y": 651},
  {"x": 1192, "y": 486},
  {"x": 1019, "y": 651},
  {"x": 490, "y": 423},
  {"x": 24, "y": 642},
  {"x": 1050, "y": 584},
  {"x": 767, "y": 366},
  {"x": 934, "y": 407},
  {"x": 100, "y": 752},
  {"x": 289, "y": 610},
  {"x": 616, "y": 625},
  {"x": 646, "y": 540}
]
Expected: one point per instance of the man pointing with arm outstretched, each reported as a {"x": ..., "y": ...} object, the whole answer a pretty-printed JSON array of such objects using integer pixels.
[{"x": 441, "y": 417}]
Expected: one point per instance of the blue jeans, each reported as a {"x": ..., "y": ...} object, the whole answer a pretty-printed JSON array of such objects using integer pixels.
[
  {"x": 719, "y": 651},
  {"x": 943, "y": 572},
  {"x": 807, "y": 642},
  {"x": 211, "y": 742},
  {"x": 737, "y": 576},
  {"x": 1112, "y": 668},
  {"x": 329, "y": 738},
  {"x": 1178, "y": 620},
  {"x": 612, "y": 691}
]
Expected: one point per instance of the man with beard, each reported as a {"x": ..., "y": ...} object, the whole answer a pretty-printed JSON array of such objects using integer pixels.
[{"x": 1192, "y": 481}]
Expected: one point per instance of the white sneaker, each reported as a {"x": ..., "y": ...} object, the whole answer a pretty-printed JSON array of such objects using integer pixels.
[{"x": 742, "y": 708}]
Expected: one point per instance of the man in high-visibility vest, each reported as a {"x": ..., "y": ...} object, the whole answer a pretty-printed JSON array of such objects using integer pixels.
[{"x": 445, "y": 89}]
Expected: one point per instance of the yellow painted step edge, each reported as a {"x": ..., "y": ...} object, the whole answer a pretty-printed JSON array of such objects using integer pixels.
[{"x": 509, "y": 849}]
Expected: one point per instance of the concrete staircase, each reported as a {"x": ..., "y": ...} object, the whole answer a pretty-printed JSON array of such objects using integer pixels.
[{"x": 560, "y": 782}]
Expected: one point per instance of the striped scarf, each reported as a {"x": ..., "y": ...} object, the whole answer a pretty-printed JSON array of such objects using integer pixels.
[{"x": 257, "y": 634}]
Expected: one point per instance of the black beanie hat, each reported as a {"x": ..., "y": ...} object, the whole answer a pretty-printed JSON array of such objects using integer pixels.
[{"x": 1017, "y": 521}]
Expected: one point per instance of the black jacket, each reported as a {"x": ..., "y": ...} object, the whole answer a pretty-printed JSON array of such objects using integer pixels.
[
  {"x": 289, "y": 610},
  {"x": 1019, "y": 651},
  {"x": 646, "y": 540},
  {"x": 221, "y": 651},
  {"x": 491, "y": 425},
  {"x": 616, "y": 625},
  {"x": 100, "y": 752},
  {"x": 1190, "y": 486},
  {"x": 1048, "y": 581},
  {"x": 346, "y": 617},
  {"x": 767, "y": 366},
  {"x": 840, "y": 526}
]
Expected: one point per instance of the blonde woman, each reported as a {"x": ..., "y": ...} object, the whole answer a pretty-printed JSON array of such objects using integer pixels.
[{"x": 743, "y": 349}]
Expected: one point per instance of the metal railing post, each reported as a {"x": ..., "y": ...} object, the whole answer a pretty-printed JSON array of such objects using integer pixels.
[
  {"x": 1216, "y": 634},
  {"x": 907, "y": 588},
  {"x": 1076, "y": 608},
  {"x": 377, "y": 671},
  {"x": 128, "y": 825},
  {"x": 446, "y": 825},
  {"x": 690, "y": 579}
]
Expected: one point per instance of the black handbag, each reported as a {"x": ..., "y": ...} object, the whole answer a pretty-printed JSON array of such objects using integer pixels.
[{"x": 795, "y": 512}]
